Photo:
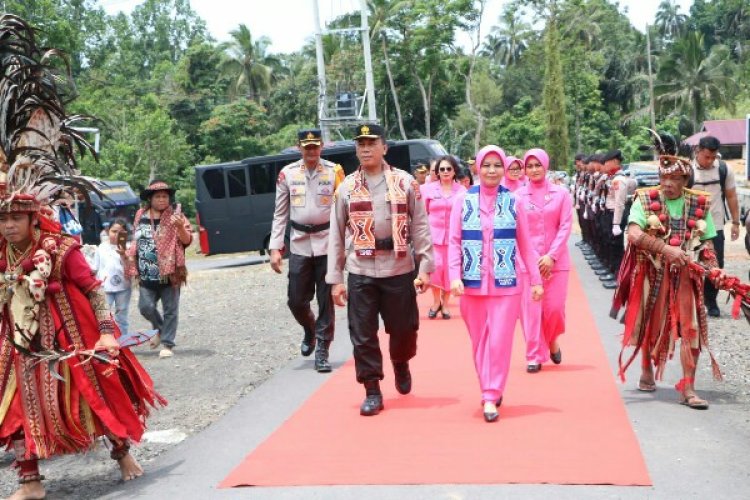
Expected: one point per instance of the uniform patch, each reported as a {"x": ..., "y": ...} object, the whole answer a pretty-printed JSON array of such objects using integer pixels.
[{"x": 281, "y": 178}]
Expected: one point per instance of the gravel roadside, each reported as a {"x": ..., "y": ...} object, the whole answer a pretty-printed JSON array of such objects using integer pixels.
[{"x": 236, "y": 331}]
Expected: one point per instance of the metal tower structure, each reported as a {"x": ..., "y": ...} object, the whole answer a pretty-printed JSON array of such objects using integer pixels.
[{"x": 348, "y": 109}]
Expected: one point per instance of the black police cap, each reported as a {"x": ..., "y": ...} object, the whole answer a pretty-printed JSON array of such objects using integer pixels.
[
  {"x": 310, "y": 136},
  {"x": 615, "y": 154},
  {"x": 369, "y": 131}
]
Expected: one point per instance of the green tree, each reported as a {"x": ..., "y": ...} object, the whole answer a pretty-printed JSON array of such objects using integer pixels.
[
  {"x": 507, "y": 41},
  {"x": 556, "y": 133},
  {"x": 692, "y": 78},
  {"x": 669, "y": 21},
  {"x": 235, "y": 131},
  {"x": 248, "y": 64}
]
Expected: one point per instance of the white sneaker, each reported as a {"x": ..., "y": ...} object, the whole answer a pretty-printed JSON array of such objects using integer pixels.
[{"x": 166, "y": 353}]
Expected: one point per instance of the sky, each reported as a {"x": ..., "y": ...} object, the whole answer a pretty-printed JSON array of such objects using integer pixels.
[{"x": 289, "y": 23}]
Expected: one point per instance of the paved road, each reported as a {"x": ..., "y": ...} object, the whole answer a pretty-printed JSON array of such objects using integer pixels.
[
  {"x": 201, "y": 263},
  {"x": 689, "y": 454}
]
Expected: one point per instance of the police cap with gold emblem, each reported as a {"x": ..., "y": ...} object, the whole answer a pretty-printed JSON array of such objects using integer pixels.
[
  {"x": 310, "y": 137},
  {"x": 369, "y": 131}
]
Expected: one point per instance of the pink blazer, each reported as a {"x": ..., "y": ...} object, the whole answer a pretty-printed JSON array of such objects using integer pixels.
[
  {"x": 550, "y": 224},
  {"x": 524, "y": 251},
  {"x": 439, "y": 209}
]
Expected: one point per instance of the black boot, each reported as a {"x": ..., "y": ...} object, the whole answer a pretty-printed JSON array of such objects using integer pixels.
[
  {"x": 308, "y": 342},
  {"x": 373, "y": 403},
  {"x": 321, "y": 357},
  {"x": 403, "y": 377}
]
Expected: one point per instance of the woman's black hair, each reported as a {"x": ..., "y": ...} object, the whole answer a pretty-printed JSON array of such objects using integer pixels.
[
  {"x": 454, "y": 164},
  {"x": 121, "y": 222}
]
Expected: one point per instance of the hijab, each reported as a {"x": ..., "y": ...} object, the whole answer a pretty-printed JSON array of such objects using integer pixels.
[{"x": 538, "y": 189}]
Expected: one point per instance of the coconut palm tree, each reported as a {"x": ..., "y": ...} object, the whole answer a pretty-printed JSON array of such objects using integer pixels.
[
  {"x": 669, "y": 21},
  {"x": 248, "y": 64},
  {"x": 692, "y": 78},
  {"x": 507, "y": 41}
]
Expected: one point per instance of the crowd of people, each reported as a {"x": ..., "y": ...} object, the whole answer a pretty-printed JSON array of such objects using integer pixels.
[{"x": 497, "y": 242}]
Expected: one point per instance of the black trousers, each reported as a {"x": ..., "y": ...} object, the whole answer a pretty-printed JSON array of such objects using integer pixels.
[
  {"x": 602, "y": 236},
  {"x": 616, "y": 244},
  {"x": 708, "y": 288},
  {"x": 395, "y": 300},
  {"x": 307, "y": 278},
  {"x": 584, "y": 226}
]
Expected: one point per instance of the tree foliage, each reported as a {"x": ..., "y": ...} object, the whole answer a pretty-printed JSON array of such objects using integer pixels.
[{"x": 563, "y": 74}]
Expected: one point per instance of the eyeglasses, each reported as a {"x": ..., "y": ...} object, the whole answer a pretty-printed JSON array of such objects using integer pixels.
[{"x": 446, "y": 169}]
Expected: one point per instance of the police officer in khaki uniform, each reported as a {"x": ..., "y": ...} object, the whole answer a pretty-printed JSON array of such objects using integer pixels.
[
  {"x": 617, "y": 197},
  {"x": 377, "y": 219},
  {"x": 304, "y": 196}
]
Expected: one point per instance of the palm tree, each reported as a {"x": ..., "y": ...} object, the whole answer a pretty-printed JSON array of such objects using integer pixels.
[
  {"x": 249, "y": 65},
  {"x": 382, "y": 12},
  {"x": 507, "y": 41},
  {"x": 669, "y": 21},
  {"x": 691, "y": 79}
]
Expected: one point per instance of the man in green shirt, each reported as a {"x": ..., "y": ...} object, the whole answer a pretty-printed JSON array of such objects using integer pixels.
[{"x": 661, "y": 279}]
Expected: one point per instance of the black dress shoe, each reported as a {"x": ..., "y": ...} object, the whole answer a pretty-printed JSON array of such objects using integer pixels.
[
  {"x": 602, "y": 271},
  {"x": 606, "y": 276},
  {"x": 308, "y": 342},
  {"x": 714, "y": 311},
  {"x": 597, "y": 266},
  {"x": 372, "y": 405},
  {"x": 609, "y": 285},
  {"x": 322, "y": 365},
  {"x": 534, "y": 368},
  {"x": 403, "y": 377},
  {"x": 556, "y": 357}
]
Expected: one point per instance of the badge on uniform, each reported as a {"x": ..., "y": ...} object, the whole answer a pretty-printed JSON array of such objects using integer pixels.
[
  {"x": 298, "y": 201},
  {"x": 325, "y": 200},
  {"x": 281, "y": 178}
]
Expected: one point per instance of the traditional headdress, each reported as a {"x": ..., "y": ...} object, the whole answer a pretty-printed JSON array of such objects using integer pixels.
[
  {"x": 37, "y": 141},
  {"x": 670, "y": 160}
]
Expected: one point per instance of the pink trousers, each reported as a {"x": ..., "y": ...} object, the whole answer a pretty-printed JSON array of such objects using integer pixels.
[
  {"x": 543, "y": 321},
  {"x": 536, "y": 350},
  {"x": 487, "y": 319}
]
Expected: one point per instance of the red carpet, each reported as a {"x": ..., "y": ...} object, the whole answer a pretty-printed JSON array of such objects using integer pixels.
[{"x": 565, "y": 425}]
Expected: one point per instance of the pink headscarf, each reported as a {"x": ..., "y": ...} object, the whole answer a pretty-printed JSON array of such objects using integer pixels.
[
  {"x": 487, "y": 195},
  {"x": 509, "y": 183},
  {"x": 538, "y": 189}
]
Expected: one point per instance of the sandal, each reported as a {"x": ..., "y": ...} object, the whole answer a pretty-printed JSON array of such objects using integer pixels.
[
  {"x": 433, "y": 314},
  {"x": 646, "y": 386},
  {"x": 694, "y": 402},
  {"x": 446, "y": 314}
]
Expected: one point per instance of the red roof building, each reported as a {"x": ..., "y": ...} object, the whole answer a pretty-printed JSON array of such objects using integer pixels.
[{"x": 731, "y": 133}]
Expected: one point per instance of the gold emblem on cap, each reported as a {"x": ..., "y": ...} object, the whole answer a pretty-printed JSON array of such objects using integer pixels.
[
  {"x": 365, "y": 130},
  {"x": 310, "y": 136}
]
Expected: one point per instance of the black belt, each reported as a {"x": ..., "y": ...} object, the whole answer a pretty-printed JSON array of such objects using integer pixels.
[
  {"x": 384, "y": 244},
  {"x": 311, "y": 228}
]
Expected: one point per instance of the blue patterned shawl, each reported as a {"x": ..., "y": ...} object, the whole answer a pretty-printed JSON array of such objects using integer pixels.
[{"x": 503, "y": 241}]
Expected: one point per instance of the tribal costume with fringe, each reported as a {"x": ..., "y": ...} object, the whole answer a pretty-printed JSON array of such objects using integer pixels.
[
  {"x": 663, "y": 302},
  {"x": 57, "y": 392}
]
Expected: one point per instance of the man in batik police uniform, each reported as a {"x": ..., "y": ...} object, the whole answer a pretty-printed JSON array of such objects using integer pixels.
[
  {"x": 304, "y": 195},
  {"x": 377, "y": 219}
]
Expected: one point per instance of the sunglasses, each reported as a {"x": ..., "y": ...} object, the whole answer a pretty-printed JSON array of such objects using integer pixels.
[{"x": 446, "y": 169}]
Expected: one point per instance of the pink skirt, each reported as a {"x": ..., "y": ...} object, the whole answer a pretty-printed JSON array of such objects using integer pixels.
[{"x": 439, "y": 278}]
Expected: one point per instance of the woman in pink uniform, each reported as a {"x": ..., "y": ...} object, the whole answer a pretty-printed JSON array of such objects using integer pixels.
[
  {"x": 488, "y": 237},
  {"x": 549, "y": 212},
  {"x": 438, "y": 200},
  {"x": 536, "y": 351},
  {"x": 514, "y": 174}
]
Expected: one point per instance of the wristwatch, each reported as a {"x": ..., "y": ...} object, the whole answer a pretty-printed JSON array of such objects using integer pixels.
[{"x": 735, "y": 223}]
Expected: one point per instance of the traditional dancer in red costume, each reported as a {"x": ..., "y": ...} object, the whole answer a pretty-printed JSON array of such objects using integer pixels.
[
  {"x": 64, "y": 380},
  {"x": 661, "y": 276}
]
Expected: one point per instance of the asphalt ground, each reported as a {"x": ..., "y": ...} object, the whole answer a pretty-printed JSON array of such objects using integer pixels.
[{"x": 689, "y": 454}]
